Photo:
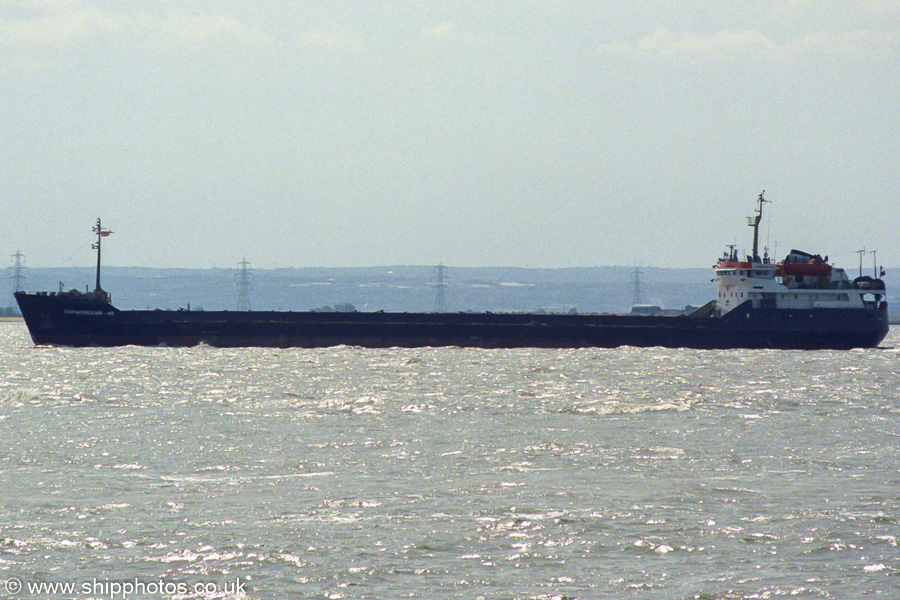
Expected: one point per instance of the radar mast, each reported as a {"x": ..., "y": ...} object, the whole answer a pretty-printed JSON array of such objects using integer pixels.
[
  {"x": 754, "y": 223},
  {"x": 101, "y": 233}
]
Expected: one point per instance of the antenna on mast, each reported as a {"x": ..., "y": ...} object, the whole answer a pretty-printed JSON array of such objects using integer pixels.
[{"x": 101, "y": 233}]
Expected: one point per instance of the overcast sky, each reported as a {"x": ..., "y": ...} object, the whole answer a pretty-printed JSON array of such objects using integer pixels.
[{"x": 514, "y": 133}]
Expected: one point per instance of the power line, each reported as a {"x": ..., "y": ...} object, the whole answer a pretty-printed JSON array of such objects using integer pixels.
[
  {"x": 637, "y": 289},
  {"x": 18, "y": 270},
  {"x": 243, "y": 286},
  {"x": 440, "y": 288}
]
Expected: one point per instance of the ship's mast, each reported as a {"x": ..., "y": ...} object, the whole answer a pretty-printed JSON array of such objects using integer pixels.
[
  {"x": 754, "y": 223},
  {"x": 101, "y": 233}
]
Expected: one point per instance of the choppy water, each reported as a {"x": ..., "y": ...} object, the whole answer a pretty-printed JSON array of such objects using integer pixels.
[{"x": 447, "y": 473}]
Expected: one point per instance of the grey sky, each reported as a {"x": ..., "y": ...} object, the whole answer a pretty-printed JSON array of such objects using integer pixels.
[{"x": 526, "y": 133}]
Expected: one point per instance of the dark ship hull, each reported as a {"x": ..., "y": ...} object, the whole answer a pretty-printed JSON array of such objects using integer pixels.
[{"x": 74, "y": 319}]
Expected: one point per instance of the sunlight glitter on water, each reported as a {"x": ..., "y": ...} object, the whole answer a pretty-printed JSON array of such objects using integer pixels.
[{"x": 625, "y": 473}]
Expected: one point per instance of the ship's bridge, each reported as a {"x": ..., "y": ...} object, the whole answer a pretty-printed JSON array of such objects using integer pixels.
[{"x": 740, "y": 280}]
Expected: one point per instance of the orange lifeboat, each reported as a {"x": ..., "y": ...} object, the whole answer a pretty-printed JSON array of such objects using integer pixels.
[{"x": 803, "y": 264}]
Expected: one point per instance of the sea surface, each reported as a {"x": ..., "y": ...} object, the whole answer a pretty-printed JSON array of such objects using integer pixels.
[{"x": 448, "y": 473}]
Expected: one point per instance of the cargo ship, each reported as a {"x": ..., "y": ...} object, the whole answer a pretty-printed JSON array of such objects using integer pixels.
[{"x": 801, "y": 302}]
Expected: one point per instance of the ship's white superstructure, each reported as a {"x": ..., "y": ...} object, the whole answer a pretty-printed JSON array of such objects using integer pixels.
[{"x": 800, "y": 281}]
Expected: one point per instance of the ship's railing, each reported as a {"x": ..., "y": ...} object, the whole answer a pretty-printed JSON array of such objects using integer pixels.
[{"x": 102, "y": 295}]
